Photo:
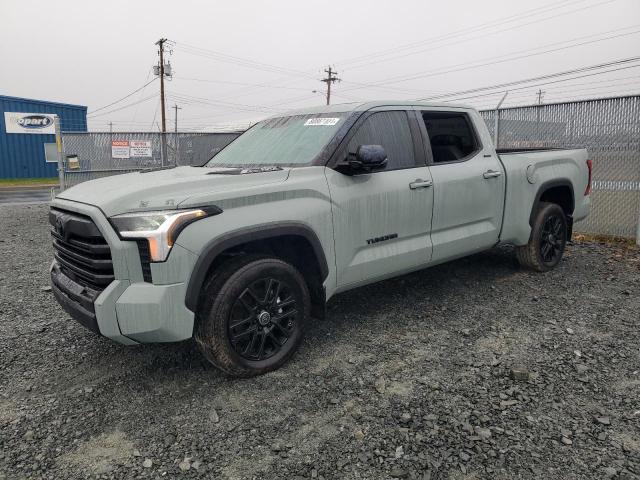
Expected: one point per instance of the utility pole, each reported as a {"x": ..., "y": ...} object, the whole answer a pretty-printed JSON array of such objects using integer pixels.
[
  {"x": 540, "y": 94},
  {"x": 176, "y": 108},
  {"x": 177, "y": 139},
  {"x": 331, "y": 78},
  {"x": 162, "y": 71},
  {"x": 160, "y": 44}
]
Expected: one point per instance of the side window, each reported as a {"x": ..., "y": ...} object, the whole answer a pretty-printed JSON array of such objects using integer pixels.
[
  {"x": 391, "y": 130},
  {"x": 451, "y": 136}
]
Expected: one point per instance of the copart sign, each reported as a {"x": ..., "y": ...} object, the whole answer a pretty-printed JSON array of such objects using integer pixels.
[{"x": 33, "y": 123}]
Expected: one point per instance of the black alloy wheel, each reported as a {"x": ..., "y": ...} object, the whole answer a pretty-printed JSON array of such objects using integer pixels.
[
  {"x": 262, "y": 319},
  {"x": 552, "y": 240}
]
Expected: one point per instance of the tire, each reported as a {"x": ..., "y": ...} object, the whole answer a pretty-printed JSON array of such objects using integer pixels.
[
  {"x": 547, "y": 241},
  {"x": 253, "y": 315}
]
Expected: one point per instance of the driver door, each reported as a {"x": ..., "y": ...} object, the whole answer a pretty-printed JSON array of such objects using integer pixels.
[{"x": 382, "y": 220}]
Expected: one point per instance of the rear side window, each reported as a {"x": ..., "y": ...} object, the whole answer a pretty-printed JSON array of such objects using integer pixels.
[
  {"x": 391, "y": 130},
  {"x": 451, "y": 136}
]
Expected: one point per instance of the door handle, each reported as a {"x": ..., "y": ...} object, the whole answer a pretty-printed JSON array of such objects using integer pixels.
[
  {"x": 491, "y": 174},
  {"x": 419, "y": 183}
]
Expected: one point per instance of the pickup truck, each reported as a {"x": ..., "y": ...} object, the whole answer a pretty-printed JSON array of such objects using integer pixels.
[{"x": 242, "y": 252}]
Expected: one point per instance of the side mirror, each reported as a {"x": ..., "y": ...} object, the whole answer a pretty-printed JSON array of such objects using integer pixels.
[{"x": 367, "y": 159}]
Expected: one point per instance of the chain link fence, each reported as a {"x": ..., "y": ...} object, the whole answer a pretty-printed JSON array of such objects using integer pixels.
[
  {"x": 92, "y": 155},
  {"x": 609, "y": 129}
]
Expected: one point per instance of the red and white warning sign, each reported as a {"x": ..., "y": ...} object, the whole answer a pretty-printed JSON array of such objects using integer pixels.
[
  {"x": 140, "y": 148},
  {"x": 120, "y": 149}
]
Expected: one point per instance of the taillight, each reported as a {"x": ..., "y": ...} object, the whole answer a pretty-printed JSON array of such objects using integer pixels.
[{"x": 587, "y": 190}]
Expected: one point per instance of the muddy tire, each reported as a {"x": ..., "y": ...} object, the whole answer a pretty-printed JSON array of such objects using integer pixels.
[
  {"x": 252, "y": 316},
  {"x": 547, "y": 241}
]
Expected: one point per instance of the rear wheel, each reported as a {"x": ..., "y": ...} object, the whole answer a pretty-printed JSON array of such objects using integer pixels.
[
  {"x": 547, "y": 241},
  {"x": 253, "y": 315}
]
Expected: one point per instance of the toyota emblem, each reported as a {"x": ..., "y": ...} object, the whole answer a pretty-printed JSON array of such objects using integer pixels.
[{"x": 60, "y": 226}]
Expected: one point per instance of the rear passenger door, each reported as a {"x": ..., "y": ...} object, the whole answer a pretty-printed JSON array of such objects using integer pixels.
[
  {"x": 468, "y": 184},
  {"x": 382, "y": 220}
]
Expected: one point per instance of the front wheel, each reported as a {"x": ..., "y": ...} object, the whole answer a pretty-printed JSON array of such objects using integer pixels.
[
  {"x": 253, "y": 315},
  {"x": 547, "y": 241}
]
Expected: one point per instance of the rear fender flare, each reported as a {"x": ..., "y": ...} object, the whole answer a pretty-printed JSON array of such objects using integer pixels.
[{"x": 561, "y": 182}]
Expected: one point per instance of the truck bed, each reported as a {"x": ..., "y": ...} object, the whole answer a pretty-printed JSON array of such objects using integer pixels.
[{"x": 531, "y": 171}]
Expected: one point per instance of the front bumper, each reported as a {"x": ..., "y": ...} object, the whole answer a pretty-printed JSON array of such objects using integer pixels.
[
  {"x": 129, "y": 310},
  {"x": 74, "y": 299}
]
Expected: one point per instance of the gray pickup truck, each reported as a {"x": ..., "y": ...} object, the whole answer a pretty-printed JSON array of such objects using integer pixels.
[{"x": 242, "y": 252}]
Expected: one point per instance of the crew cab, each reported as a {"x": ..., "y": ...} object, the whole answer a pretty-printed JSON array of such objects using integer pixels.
[{"x": 243, "y": 252}]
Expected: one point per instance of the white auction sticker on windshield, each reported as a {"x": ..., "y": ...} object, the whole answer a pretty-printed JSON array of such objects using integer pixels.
[{"x": 315, "y": 122}]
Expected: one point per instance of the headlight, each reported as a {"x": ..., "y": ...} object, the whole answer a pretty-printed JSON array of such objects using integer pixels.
[{"x": 160, "y": 228}]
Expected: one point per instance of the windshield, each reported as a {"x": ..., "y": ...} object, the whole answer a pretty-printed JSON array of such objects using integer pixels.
[{"x": 287, "y": 141}]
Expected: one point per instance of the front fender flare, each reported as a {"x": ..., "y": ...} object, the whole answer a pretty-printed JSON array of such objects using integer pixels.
[{"x": 237, "y": 237}]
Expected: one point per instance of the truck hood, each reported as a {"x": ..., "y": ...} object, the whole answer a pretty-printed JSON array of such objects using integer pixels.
[{"x": 165, "y": 189}]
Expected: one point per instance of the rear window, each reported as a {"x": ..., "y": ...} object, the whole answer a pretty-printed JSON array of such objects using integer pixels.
[{"x": 451, "y": 136}]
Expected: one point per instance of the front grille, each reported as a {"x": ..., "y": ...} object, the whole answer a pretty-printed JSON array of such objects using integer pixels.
[{"x": 80, "y": 250}]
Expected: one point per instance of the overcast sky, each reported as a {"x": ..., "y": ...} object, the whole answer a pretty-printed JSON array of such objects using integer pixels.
[{"x": 241, "y": 60}]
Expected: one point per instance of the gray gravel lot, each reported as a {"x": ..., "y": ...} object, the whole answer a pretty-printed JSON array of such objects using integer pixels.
[{"x": 408, "y": 378}]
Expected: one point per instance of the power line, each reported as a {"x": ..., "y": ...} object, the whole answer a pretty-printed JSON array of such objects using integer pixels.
[
  {"x": 214, "y": 55},
  {"x": 194, "y": 50},
  {"x": 499, "y": 59},
  {"x": 244, "y": 91},
  {"x": 135, "y": 113},
  {"x": 219, "y": 103},
  {"x": 301, "y": 98},
  {"x": 273, "y": 68},
  {"x": 552, "y": 92},
  {"x": 584, "y": 97},
  {"x": 123, "y": 107},
  {"x": 195, "y": 100},
  {"x": 527, "y": 92},
  {"x": 495, "y": 32},
  {"x": 504, "y": 85},
  {"x": 260, "y": 85},
  {"x": 467, "y": 66},
  {"x": 535, "y": 85},
  {"x": 481, "y": 26},
  {"x": 608, "y": 80},
  {"x": 121, "y": 99},
  {"x": 257, "y": 108},
  {"x": 155, "y": 112},
  {"x": 543, "y": 77}
]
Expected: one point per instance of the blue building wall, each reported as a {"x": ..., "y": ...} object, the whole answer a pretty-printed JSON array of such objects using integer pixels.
[{"x": 22, "y": 155}]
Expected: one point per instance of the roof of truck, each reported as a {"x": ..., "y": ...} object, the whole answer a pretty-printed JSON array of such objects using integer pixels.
[{"x": 362, "y": 106}]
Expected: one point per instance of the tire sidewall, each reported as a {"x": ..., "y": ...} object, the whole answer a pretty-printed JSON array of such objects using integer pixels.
[{"x": 215, "y": 325}]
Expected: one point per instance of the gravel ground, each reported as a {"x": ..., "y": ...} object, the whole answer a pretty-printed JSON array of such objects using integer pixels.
[{"x": 408, "y": 378}]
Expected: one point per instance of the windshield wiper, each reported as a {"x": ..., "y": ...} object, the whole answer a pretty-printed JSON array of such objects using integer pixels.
[
  {"x": 245, "y": 170},
  {"x": 155, "y": 169}
]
